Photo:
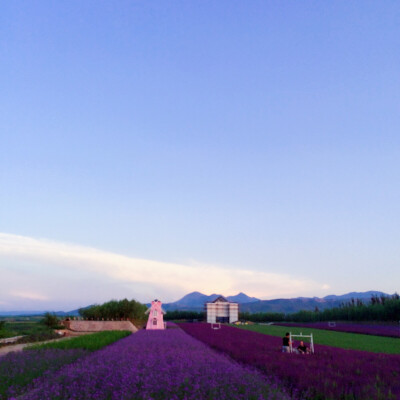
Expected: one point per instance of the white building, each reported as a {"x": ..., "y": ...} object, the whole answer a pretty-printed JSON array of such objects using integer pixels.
[{"x": 221, "y": 310}]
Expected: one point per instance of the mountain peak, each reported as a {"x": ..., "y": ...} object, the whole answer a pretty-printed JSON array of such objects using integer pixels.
[
  {"x": 242, "y": 298},
  {"x": 196, "y": 300},
  {"x": 356, "y": 295}
]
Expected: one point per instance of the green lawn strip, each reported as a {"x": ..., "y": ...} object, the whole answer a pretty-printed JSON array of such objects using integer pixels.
[
  {"x": 353, "y": 341},
  {"x": 91, "y": 342}
]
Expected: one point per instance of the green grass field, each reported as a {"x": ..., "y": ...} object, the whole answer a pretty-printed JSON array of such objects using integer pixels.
[
  {"x": 354, "y": 341},
  {"x": 91, "y": 342},
  {"x": 33, "y": 330}
]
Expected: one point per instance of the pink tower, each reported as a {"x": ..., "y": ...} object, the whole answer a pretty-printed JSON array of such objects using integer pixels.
[{"x": 156, "y": 319}]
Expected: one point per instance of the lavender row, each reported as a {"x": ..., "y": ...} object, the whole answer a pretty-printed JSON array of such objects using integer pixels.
[
  {"x": 331, "y": 373},
  {"x": 155, "y": 365},
  {"x": 366, "y": 329},
  {"x": 18, "y": 369}
]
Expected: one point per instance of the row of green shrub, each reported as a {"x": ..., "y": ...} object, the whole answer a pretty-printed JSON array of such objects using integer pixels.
[{"x": 91, "y": 342}]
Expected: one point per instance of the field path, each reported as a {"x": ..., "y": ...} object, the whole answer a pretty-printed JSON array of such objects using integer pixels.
[
  {"x": 18, "y": 347},
  {"x": 14, "y": 347}
]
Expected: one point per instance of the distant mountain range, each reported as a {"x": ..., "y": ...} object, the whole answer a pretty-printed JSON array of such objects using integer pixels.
[
  {"x": 38, "y": 313},
  {"x": 195, "y": 302}
]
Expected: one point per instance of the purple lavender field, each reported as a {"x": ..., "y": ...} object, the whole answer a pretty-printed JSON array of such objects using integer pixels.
[
  {"x": 18, "y": 369},
  {"x": 365, "y": 329},
  {"x": 331, "y": 373},
  {"x": 155, "y": 365}
]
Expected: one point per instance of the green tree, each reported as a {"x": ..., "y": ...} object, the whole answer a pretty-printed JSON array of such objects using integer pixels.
[
  {"x": 115, "y": 309},
  {"x": 50, "y": 320}
]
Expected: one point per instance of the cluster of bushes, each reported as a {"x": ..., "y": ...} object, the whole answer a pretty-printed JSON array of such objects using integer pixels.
[
  {"x": 51, "y": 321},
  {"x": 116, "y": 309},
  {"x": 39, "y": 331},
  {"x": 4, "y": 332}
]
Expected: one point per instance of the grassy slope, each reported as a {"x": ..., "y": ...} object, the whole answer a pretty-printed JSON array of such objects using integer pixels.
[
  {"x": 354, "y": 341},
  {"x": 90, "y": 342}
]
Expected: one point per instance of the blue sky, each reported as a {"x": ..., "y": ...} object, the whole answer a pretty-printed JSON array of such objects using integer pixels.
[{"x": 247, "y": 139}]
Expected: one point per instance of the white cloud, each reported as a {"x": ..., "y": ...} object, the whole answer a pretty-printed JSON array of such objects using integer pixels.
[
  {"x": 82, "y": 271},
  {"x": 28, "y": 295},
  {"x": 325, "y": 286}
]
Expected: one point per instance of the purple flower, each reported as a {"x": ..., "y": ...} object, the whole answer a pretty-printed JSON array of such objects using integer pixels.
[
  {"x": 18, "y": 369},
  {"x": 331, "y": 373},
  {"x": 155, "y": 365}
]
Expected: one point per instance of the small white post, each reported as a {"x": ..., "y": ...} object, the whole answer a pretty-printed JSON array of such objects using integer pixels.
[{"x": 312, "y": 344}]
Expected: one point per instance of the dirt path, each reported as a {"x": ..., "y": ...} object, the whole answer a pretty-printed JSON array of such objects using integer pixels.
[
  {"x": 18, "y": 347},
  {"x": 13, "y": 347}
]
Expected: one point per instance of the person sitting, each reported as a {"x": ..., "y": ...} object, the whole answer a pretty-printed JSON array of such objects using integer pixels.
[
  {"x": 302, "y": 348},
  {"x": 286, "y": 343}
]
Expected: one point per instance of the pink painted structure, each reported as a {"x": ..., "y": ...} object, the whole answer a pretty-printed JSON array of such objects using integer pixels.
[{"x": 156, "y": 319}]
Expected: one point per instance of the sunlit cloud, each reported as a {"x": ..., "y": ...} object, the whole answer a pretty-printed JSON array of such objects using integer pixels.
[
  {"x": 29, "y": 295},
  {"x": 325, "y": 286},
  {"x": 116, "y": 274}
]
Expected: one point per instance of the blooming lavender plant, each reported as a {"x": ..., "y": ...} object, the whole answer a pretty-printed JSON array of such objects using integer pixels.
[
  {"x": 331, "y": 373},
  {"x": 17, "y": 369},
  {"x": 155, "y": 365}
]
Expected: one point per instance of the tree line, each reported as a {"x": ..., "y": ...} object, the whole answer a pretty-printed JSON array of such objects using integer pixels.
[
  {"x": 115, "y": 309},
  {"x": 378, "y": 308},
  {"x": 184, "y": 315}
]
